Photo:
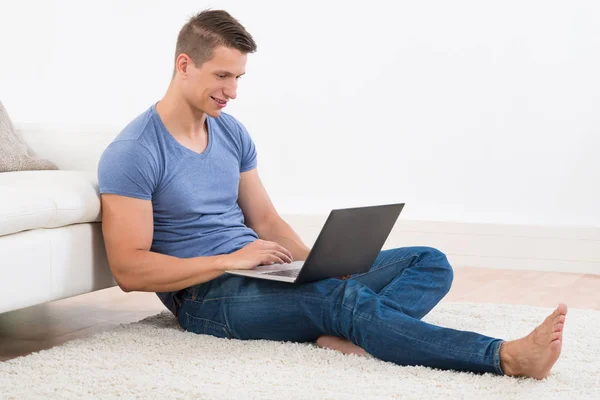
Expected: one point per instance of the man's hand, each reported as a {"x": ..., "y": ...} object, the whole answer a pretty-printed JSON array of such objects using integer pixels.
[{"x": 259, "y": 252}]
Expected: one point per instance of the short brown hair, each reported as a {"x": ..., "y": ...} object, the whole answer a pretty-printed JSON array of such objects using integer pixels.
[{"x": 209, "y": 29}]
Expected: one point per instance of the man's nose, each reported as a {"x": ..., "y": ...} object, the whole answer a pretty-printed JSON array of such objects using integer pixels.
[{"x": 231, "y": 90}]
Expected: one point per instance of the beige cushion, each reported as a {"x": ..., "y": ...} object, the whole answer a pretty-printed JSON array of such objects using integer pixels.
[
  {"x": 47, "y": 199},
  {"x": 13, "y": 149}
]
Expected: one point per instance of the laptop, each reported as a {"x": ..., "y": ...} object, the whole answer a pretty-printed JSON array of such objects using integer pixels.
[{"x": 348, "y": 243}]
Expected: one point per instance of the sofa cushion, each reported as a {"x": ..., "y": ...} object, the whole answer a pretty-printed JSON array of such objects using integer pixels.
[
  {"x": 43, "y": 265},
  {"x": 13, "y": 150},
  {"x": 47, "y": 199}
]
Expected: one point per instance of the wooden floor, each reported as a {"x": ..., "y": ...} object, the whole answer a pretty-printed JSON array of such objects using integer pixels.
[{"x": 41, "y": 327}]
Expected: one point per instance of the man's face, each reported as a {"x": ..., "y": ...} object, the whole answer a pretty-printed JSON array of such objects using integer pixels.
[{"x": 210, "y": 87}]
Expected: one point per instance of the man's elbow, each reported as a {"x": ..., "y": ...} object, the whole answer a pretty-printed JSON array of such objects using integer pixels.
[
  {"x": 123, "y": 284},
  {"x": 126, "y": 285}
]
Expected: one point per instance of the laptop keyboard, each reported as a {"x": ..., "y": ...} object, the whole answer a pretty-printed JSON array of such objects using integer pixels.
[{"x": 290, "y": 272}]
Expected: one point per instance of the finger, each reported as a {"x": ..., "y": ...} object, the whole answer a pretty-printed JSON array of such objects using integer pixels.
[
  {"x": 276, "y": 246},
  {"x": 286, "y": 251},
  {"x": 282, "y": 256},
  {"x": 282, "y": 249},
  {"x": 269, "y": 259},
  {"x": 274, "y": 259}
]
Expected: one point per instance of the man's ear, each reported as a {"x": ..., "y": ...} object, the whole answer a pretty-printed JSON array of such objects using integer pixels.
[{"x": 182, "y": 63}]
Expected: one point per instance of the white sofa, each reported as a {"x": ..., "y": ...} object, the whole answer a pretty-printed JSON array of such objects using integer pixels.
[{"x": 51, "y": 244}]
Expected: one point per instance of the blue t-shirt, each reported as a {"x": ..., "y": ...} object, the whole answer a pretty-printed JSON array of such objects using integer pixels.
[{"x": 194, "y": 195}]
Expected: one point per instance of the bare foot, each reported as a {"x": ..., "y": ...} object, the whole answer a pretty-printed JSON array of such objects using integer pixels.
[
  {"x": 339, "y": 344},
  {"x": 535, "y": 354}
]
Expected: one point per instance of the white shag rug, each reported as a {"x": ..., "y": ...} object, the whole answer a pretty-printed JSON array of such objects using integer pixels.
[{"x": 156, "y": 359}]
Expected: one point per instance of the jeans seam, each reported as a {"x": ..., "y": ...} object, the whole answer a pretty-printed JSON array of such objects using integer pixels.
[
  {"x": 259, "y": 295},
  {"x": 228, "y": 330},
  {"x": 388, "y": 287},
  {"x": 390, "y": 327},
  {"x": 225, "y": 328},
  {"x": 497, "y": 365},
  {"x": 395, "y": 280},
  {"x": 398, "y": 278},
  {"x": 384, "y": 266}
]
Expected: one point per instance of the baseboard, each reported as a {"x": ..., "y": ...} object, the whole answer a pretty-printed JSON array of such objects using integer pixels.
[{"x": 517, "y": 247}]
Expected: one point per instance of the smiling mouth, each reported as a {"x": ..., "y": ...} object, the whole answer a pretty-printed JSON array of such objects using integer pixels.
[{"x": 222, "y": 102}]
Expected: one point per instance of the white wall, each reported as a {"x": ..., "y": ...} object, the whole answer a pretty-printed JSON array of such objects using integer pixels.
[{"x": 468, "y": 111}]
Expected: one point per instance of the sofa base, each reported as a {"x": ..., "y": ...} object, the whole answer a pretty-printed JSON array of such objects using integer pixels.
[{"x": 44, "y": 265}]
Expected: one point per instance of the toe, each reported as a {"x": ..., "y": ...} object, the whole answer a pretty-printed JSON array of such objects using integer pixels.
[
  {"x": 558, "y": 319},
  {"x": 556, "y": 311},
  {"x": 555, "y": 314},
  {"x": 556, "y": 336},
  {"x": 559, "y": 312},
  {"x": 558, "y": 327},
  {"x": 556, "y": 345},
  {"x": 562, "y": 308}
]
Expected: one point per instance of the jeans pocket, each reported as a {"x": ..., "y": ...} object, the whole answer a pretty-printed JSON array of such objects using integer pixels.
[
  {"x": 206, "y": 327},
  {"x": 196, "y": 293}
]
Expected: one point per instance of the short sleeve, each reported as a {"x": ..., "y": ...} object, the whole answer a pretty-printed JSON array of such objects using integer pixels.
[
  {"x": 127, "y": 168},
  {"x": 248, "y": 156}
]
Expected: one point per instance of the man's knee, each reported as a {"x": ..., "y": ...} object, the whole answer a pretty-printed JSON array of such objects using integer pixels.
[{"x": 437, "y": 259}]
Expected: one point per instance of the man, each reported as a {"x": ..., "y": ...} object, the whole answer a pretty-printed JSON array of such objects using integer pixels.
[{"x": 183, "y": 202}]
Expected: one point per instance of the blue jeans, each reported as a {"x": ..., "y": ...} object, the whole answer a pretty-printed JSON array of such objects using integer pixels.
[{"x": 379, "y": 310}]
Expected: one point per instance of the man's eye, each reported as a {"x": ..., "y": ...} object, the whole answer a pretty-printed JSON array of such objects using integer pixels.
[{"x": 225, "y": 76}]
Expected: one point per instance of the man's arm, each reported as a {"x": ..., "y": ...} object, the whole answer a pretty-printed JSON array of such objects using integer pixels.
[
  {"x": 127, "y": 226},
  {"x": 260, "y": 215}
]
